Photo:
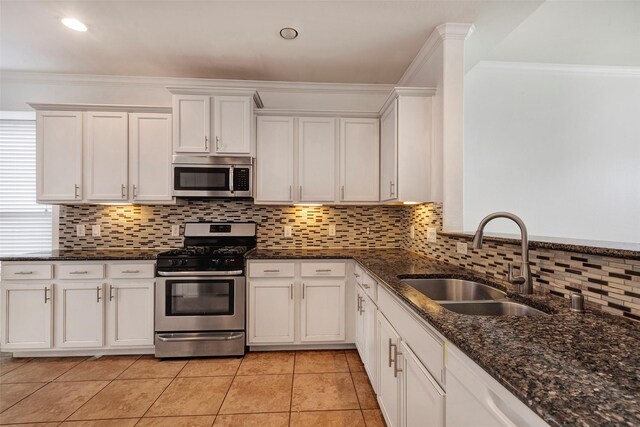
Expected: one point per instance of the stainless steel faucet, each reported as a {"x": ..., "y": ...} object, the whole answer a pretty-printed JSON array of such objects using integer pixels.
[{"x": 523, "y": 279}]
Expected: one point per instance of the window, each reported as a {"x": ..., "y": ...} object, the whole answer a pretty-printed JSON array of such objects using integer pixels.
[{"x": 25, "y": 226}]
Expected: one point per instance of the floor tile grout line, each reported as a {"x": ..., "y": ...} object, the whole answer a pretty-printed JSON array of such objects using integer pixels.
[
  {"x": 11, "y": 406},
  {"x": 293, "y": 378},
  {"x": 88, "y": 400},
  {"x": 162, "y": 392},
  {"x": 226, "y": 393}
]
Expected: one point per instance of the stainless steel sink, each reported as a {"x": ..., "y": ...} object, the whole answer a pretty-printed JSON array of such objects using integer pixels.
[
  {"x": 454, "y": 290},
  {"x": 492, "y": 308}
]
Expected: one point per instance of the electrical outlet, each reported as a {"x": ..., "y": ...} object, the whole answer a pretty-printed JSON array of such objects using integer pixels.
[
  {"x": 368, "y": 230},
  {"x": 80, "y": 230},
  {"x": 175, "y": 230},
  {"x": 432, "y": 235},
  {"x": 332, "y": 230},
  {"x": 95, "y": 230},
  {"x": 287, "y": 231},
  {"x": 461, "y": 247},
  {"x": 412, "y": 232}
]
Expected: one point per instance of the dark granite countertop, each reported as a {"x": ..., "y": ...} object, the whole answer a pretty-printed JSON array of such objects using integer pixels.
[
  {"x": 87, "y": 255},
  {"x": 571, "y": 369}
]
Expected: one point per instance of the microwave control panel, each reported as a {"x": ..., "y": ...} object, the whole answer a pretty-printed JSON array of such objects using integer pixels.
[{"x": 241, "y": 179}]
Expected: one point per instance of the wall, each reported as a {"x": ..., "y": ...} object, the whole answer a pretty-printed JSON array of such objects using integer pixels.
[
  {"x": 557, "y": 145},
  {"x": 142, "y": 226},
  {"x": 608, "y": 284}
]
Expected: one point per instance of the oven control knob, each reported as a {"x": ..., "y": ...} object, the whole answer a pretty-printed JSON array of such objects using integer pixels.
[
  {"x": 172, "y": 262},
  {"x": 183, "y": 262}
]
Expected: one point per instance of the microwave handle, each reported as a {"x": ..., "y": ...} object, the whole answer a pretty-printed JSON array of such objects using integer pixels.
[{"x": 231, "y": 178}]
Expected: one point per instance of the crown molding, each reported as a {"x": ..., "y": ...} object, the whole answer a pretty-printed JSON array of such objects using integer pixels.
[
  {"x": 163, "y": 82},
  {"x": 441, "y": 32},
  {"x": 317, "y": 113},
  {"x": 209, "y": 90},
  {"x": 407, "y": 91},
  {"x": 595, "y": 70},
  {"x": 100, "y": 107}
]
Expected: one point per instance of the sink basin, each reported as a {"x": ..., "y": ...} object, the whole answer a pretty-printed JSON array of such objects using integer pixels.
[
  {"x": 492, "y": 308},
  {"x": 454, "y": 290}
]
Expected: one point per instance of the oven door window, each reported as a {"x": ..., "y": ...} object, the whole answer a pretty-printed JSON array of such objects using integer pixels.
[
  {"x": 200, "y": 298},
  {"x": 204, "y": 179}
]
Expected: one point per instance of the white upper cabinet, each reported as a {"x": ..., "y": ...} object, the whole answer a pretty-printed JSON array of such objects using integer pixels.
[
  {"x": 275, "y": 159},
  {"x": 317, "y": 159},
  {"x": 389, "y": 153},
  {"x": 191, "y": 124},
  {"x": 232, "y": 125},
  {"x": 106, "y": 150},
  {"x": 359, "y": 160},
  {"x": 59, "y": 156},
  {"x": 150, "y": 157},
  {"x": 405, "y": 146}
]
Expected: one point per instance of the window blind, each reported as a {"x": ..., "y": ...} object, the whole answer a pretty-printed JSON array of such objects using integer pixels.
[{"x": 25, "y": 226}]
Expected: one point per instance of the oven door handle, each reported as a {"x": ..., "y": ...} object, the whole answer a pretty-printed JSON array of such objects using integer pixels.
[
  {"x": 199, "y": 273},
  {"x": 200, "y": 337}
]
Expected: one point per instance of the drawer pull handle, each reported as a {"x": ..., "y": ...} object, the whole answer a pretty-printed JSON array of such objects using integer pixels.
[
  {"x": 303, "y": 286},
  {"x": 395, "y": 361},
  {"x": 291, "y": 290},
  {"x": 356, "y": 274},
  {"x": 79, "y": 272},
  {"x": 390, "y": 358},
  {"x": 366, "y": 286},
  {"x": 46, "y": 295},
  {"x": 323, "y": 270},
  {"x": 23, "y": 272},
  {"x": 111, "y": 288},
  {"x": 98, "y": 296},
  {"x": 272, "y": 271},
  {"x": 130, "y": 271}
]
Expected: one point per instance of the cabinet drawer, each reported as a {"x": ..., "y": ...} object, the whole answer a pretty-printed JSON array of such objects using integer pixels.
[
  {"x": 131, "y": 271},
  {"x": 80, "y": 271},
  {"x": 26, "y": 271},
  {"x": 370, "y": 286},
  {"x": 271, "y": 269},
  {"x": 323, "y": 269},
  {"x": 426, "y": 346}
]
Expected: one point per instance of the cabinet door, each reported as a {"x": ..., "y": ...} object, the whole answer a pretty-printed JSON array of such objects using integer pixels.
[
  {"x": 59, "y": 156},
  {"x": 370, "y": 312},
  {"x": 316, "y": 159},
  {"x": 131, "y": 313},
  {"x": 389, "y": 153},
  {"x": 422, "y": 398},
  {"x": 359, "y": 160},
  {"x": 271, "y": 311},
  {"x": 106, "y": 166},
  {"x": 79, "y": 315},
  {"x": 322, "y": 310},
  {"x": 232, "y": 125},
  {"x": 275, "y": 159},
  {"x": 150, "y": 157},
  {"x": 191, "y": 123},
  {"x": 26, "y": 316},
  {"x": 388, "y": 381},
  {"x": 360, "y": 325}
]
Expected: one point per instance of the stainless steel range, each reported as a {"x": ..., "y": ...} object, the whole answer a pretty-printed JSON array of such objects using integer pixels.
[{"x": 200, "y": 292}]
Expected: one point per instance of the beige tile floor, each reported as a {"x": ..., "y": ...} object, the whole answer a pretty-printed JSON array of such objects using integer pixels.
[{"x": 304, "y": 388}]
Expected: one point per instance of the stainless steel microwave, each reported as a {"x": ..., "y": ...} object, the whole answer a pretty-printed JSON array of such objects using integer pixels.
[{"x": 208, "y": 176}]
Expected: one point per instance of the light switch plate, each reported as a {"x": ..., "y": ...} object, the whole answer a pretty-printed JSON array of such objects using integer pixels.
[
  {"x": 368, "y": 230},
  {"x": 175, "y": 230},
  {"x": 95, "y": 230},
  {"x": 432, "y": 235},
  {"x": 461, "y": 247},
  {"x": 80, "y": 230},
  {"x": 412, "y": 232},
  {"x": 287, "y": 231},
  {"x": 332, "y": 230}
]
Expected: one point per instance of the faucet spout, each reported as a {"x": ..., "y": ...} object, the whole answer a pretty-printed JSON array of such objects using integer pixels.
[{"x": 523, "y": 279}]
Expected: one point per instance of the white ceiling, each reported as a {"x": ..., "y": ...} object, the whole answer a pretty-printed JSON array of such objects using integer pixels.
[{"x": 347, "y": 41}]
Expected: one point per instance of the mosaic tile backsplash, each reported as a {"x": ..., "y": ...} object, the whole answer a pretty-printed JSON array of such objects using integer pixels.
[
  {"x": 609, "y": 284},
  {"x": 142, "y": 226}
]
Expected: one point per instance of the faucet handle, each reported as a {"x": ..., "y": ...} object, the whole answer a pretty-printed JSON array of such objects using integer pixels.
[{"x": 516, "y": 280}]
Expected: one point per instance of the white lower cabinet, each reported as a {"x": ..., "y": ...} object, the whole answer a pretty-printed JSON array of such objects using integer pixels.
[
  {"x": 422, "y": 398},
  {"x": 271, "y": 311},
  {"x": 298, "y": 303},
  {"x": 322, "y": 311},
  {"x": 131, "y": 313},
  {"x": 388, "y": 370},
  {"x": 26, "y": 316},
  {"x": 76, "y": 307},
  {"x": 79, "y": 315}
]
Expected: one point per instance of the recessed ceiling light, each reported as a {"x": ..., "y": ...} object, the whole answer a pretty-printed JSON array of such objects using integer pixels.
[
  {"x": 288, "y": 33},
  {"x": 74, "y": 24}
]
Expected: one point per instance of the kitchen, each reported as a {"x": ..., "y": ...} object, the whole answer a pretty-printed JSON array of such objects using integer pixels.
[{"x": 206, "y": 224}]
